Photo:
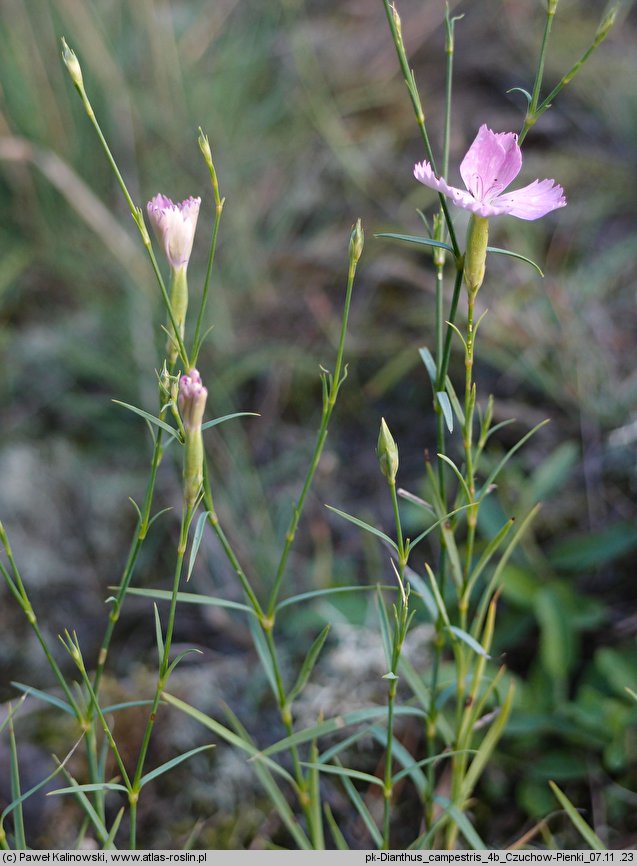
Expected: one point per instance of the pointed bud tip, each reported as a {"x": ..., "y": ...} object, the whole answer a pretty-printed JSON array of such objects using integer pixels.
[
  {"x": 387, "y": 452},
  {"x": 357, "y": 241},
  {"x": 204, "y": 147},
  {"x": 72, "y": 63}
]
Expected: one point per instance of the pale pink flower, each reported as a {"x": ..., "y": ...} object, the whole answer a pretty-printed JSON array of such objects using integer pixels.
[
  {"x": 192, "y": 400},
  {"x": 492, "y": 162},
  {"x": 174, "y": 226}
]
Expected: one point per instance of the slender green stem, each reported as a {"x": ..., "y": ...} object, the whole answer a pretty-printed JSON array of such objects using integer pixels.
[
  {"x": 531, "y": 114},
  {"x": 418, "y": 111},
  {"x": 449, "y": 333},
  {"x": 164, "y": 670},
  {"x": 336, "y": 380},
  {"x": 206, "y": 285},
  {"x": 388, "y": 786},
  {"x": 469, "y": 407}
]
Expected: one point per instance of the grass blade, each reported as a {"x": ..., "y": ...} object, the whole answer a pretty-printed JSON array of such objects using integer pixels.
[
  {"x": 168, "y": 765},
  {"x": 586, "y": 832}
]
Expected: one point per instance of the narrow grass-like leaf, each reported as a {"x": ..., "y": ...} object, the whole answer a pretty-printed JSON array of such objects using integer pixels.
[
  {"x": 272, "y": 789},
  {"x": 492, "y": 547},
  {"x": 314, "y": 791},
  {"x": 631, "y": 693},
  {"x": 385, "y": 629},
  {"x": 478, "y": 620},
  {"x": 196, "y": 542},
  {"x": 433, "y": 526},
  {"x": 308, "y": 664},
  {"x": 150, "y": 418},
  {"x": 159, "y": 637},
  {"x": 409, "y": 769},
  {"x": 190, "y": 598},
  {"x": 168, "y": 765},
  {"x": 87, "y": 806},
  {"x": 181, "y": 657},
  {"x": 423, "y": 592},
  {"x": 458, "y": 475},
  {"x": 16, "y": 793},
  {"x": 364, "y": 526},
  {"x": 586, "y": 832},
  {"x": 335, "y": 830},
  {"x": 125, "y": 705},
  {"x": 512, "y": 255},
  {"x": 336, "y": 590},
  {"x": 337, "y": 723},
  {"x": 464, "y": 825},
  {"x": 344, "y": 771},
  {"x": 158, "y": 515},
  {"x": 487, "y": 746},
  {"x": 453, "y": 398},
  {"x": 430, "y": 365},
  {"x": 403, "y": 757},
  {"x": 470, "y": 641},
  {"x": 445, "y": 405},
  {"x": 330, "y": 753},
  {"x": 223, "y": 418},
  {"x": 363, "y": 811},
  {"x": 261, "y": 646},
  {"x": 16, "y": 803},
  {"x": 440, "y": 604},
  {"x": 243, "y": 743},
  {"x": 495, "y": 472},
  {"x": 109, "y": 844},
  {"x": 414, "y": 239},
  {"x": 44, "y": 696},
  {"x": 93, "y": 786}
]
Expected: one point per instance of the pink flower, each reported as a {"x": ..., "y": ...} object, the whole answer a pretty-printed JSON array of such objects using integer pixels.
[
  {"x": 174, "y": 226},
  {"x": 492, "y": 162},
  {"x": 192, "y": 400}
]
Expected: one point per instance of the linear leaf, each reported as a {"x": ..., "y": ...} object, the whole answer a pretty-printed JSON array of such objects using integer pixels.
[
  {"x": 159, "y": 638},
  {"x": 364, "y": 526},
  {"x": 414, "y": 239},
  {"x": 515, "y": 256},
  {"x": 337, "y": 723},
  {"x": 464, "y": 825},
  {"x": 445, "y": 405},
  {"x": 93, "y": 786},
  {"x": 190, "y": 598},
  {"x": 430, "y": 364},
  {"x": 223, "y": 418},
  {"x": 150, "y": 418},
  {"x": 308, "y": 664},
  {"x": 335, "y": 830},
  {"x": 495, "y": 472},
  {"x": 363, "y": 811},
  {"x": 487, "y": 746},
  {"x": 113, "y": 708},
  {"x": 261, "y": 646},
  {"x": 109, "y": 843},
  {"x": 44, "y": 696},
  {"x": 587, "y": 833},
  {"x": 163, "y": 768},
  {"x": 335, "y": 590},
  {"x": 196, "y": 542},
  {"x": 344, "y": 771},
  {"x": 470, "y": 641}
]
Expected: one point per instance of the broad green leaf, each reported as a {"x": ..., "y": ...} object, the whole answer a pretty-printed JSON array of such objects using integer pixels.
[
  {"x": 190, "y": 598},
  {"x": 445, "y": 405},
  {"x": 515, "y": 256},
  {"x": 308, "y": 665},
  {"x": 163, "y": 768},
  {"x": 44, "y": 696},
  {"x": 586, "y": 832},
  {"x": 216, "y": 421},
  {"x": 150, "y": 418},
  {"x": 414, "y": 239},
  {"x": 196, "y": 542},
  {"x": 364, "y": 526},
  {"x": 470, "y": 641}
]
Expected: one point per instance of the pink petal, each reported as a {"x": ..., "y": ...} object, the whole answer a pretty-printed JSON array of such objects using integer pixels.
[
  {"x": 532, "y": 201},
  {"x": 424, "y": 173},
  {"x": 491, "y": 163}
]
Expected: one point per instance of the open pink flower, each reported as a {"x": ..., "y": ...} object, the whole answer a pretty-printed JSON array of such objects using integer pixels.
[
  {"x": 174, "y": 226},
  {"x": 492, "y": 162}
]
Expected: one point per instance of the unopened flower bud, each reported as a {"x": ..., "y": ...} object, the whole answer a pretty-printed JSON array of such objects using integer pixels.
[
  {"x": 72, "y": 64},
  {"x": 192, "y": 403},
  {"x": 387, "y": 453},
  {"x": 204, "y": 147},
  {"x": 357, "y": 242},
  {"x": 606, "y": 24},
  {"x": 476, "y": 254},
  {"x": 551, "y": 6},
  {"x": 397, "y": 22}
]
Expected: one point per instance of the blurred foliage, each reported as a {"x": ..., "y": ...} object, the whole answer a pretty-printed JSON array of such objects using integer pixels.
[{"x": 311, "y": 127}]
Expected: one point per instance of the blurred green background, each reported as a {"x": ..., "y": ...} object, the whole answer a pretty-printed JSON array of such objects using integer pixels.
[{"x": 311, "y": 127}]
